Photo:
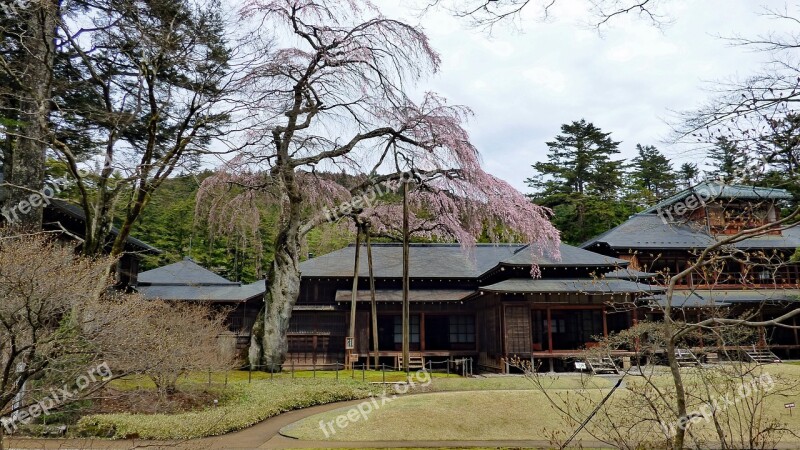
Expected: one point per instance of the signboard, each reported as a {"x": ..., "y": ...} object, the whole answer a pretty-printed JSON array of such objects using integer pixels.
[
  {"x": 789, "y": 406},
  {"x": 579, "y": 365},
  {"x": 349, "y": 343}
]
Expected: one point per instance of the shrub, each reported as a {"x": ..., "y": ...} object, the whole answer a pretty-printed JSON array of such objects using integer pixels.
[{"x": 242, "y": 406}]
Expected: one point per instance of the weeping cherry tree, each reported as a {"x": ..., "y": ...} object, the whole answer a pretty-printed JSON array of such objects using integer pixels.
[{"x": 334, "y": 93}]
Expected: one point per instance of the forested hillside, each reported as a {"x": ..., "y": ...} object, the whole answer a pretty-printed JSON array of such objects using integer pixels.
[{"x": 170, "y": 223}]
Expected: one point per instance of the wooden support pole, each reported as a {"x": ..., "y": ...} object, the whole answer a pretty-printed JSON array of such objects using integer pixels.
[
  {"x": 373, "y": 305},
  {"x": 406, "y": 281},
  {"x": 354, "y": 297},
  {"x": 549, "y": 330}
]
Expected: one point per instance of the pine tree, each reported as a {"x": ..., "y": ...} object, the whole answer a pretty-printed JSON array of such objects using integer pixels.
[
  {"x": 580, "y": 181},
  {"x": 688, "y": 174},
  {"x": 727, "y": 160},
  {"x": 652, "y": 175}
]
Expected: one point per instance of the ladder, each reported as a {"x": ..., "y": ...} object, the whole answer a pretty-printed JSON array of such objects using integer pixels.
[
  {"x": 686, "y": 358},
  {"x": 602, "y": 365},
  {"x": 761, "y": 356}
]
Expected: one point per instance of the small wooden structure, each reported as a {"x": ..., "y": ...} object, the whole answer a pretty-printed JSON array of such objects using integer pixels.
[
  {"x": 761, "y": 356},
  {"x": 686, "y": 358},
  {"x": 602, "y": 365}
]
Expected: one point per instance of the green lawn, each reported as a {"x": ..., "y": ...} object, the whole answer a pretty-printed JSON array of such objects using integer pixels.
[
  {"x": 508, "y": 408},
  {"x": 569, "y": 381},
  {"x": 477, "y": 415}
]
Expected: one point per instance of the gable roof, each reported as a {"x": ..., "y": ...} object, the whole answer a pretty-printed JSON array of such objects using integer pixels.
[
  {"x": 649, "y": 231},
  {"x": 715, "y": 189},
  {"x": 628, "y": 274},
  {"x": 186, "y": 273},
  {"x": 186, "y": 280},
  {"x": 569, "y": 256},
  {"x": 445, "y": 260},
  {"x": 591, "y": 286},
  {"x": 232, "y": 293},
  {"x": 427, "y": 261},
  {"x": 722, "y": 297}
]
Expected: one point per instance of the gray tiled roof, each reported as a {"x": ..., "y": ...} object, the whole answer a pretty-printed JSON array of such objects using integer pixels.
[
  {"x": 628, "y": 274},
  {"x": 186, "y": 280},
  {"x": 414, "y": 295},
  {"x": 444, "y": 260},
  {"x": 713, "y": 189},
  {"x": 588, "y": 286},
  {"x": 570, "y": 256},
  {"x": 649, "y": 231},
  {"x": 186, "y": 272},
  {"x": 722, "y": 297},
  {"x": 426, "y": 261},
  {"x": 214, "y": 293}
]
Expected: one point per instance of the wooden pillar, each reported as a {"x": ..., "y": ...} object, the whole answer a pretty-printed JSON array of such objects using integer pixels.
[
  {"x": 477, "y": 332},
  {"x": 550, "y": 333},
  {"x": 354, "y": 298},
  {"x": 605, "y": 323},
  {"x": 373, "y": 303},
  {"x": 406, "y": 279},
  {"x": 422, "y": 332}
]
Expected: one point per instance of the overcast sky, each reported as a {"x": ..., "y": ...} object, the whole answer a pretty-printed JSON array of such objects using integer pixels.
[{"x": 522, "y": 85}]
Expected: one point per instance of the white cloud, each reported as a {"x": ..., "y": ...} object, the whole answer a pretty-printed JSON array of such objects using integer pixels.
[{"x": 523, "y": 85}]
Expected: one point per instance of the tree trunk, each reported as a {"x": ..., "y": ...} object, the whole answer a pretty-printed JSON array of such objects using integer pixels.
[
  {"x": 283, "y": 279},
  {"x": 25, "y": 171},
  {"x": 134, "y": 211},
  {"x": 680, "y": 392},
  {"x": 282, "y": 293}
]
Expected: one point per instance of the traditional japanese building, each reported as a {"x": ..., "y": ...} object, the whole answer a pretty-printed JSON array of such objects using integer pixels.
[
  {"x": 187, "y": 281},
  {"x": 488, "y": 307},
  {"x": 485, "y": 306},
  {"x": 760, "y": 278}
]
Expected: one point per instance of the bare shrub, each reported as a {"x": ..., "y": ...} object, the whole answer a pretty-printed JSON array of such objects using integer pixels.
[
  {"x": 158, "y": 339},
  {"x": 42, "y": 284}
]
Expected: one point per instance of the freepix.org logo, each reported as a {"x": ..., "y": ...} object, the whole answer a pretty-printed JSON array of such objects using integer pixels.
[
  {"x": 709, "y": 190},
  {"x": 698, "y": 197}
]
